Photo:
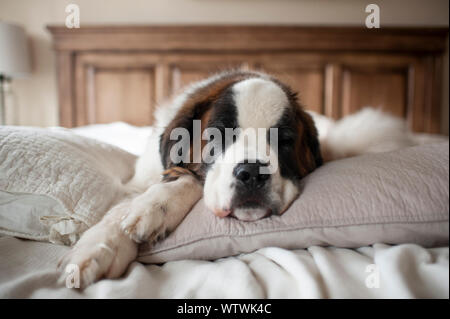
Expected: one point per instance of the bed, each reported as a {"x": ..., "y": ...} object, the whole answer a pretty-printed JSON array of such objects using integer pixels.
[{"x": 337, "y": 70}]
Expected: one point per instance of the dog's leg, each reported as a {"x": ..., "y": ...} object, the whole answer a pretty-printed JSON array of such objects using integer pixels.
[
  {"x": 103, "y": 250},
  {"x": 161, "y": 208},
  {"x": 106, "y": 249}
]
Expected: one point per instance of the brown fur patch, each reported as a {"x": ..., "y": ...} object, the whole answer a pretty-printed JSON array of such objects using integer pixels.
[
  {"x": 175, "y": 172},
  {"x": 307, "y": 147}
]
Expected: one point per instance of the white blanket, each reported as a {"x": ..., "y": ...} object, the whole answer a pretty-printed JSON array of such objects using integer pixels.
[{"x": 27, "y": 270}]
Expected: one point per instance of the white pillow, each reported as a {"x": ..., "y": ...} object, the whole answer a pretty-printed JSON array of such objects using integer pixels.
[{"x": 54, "y": 184}]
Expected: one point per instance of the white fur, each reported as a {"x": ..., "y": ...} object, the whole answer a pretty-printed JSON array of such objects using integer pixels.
[
  {"x": 249, "y": 214},
  {"x": 106, "y": 249},
  {"x": 157, "y": 210},
  {"x": 103, "y": 250},
  {"x": 219, "y": 189},
  {"x": 367, "y": 131},
  {"x": 148, "y": 166},
  {"x": 260, "y": 103}
]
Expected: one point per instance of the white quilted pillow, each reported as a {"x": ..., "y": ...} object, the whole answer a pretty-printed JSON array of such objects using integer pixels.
[{"x": 54, "y": 184}]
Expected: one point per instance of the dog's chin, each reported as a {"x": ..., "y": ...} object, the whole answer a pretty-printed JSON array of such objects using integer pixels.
[{"x": 250, "y": 214}]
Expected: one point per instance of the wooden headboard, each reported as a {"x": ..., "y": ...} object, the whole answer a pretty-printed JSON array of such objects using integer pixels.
[{"x": 112, "y": 73}]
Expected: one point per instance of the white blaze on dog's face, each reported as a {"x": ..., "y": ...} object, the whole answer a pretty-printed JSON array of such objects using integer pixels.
[{"x": 257, "y": 172}]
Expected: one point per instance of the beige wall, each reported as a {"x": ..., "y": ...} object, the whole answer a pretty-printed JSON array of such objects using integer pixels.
[{"x": 36, "y": 97}]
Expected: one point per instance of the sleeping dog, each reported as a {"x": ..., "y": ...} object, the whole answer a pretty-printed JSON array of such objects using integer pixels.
[{"x": 238, "y": 139}]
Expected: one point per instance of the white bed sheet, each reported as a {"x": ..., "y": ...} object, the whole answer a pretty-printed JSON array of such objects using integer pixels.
[
  {"x": 28, "y": 268},
  {"x": 128, "y": 137}
]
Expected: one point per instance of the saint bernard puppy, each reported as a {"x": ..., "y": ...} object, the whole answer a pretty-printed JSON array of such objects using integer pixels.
[{"x": 238, "y": 139}]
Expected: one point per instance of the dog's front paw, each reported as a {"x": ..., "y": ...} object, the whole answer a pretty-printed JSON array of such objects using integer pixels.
[
  {"x": 89, "y": 263},
  {"x": 145, "y": 221},
  {"x": 102, "y": 252},
  {"x": 158, "y": 211}
]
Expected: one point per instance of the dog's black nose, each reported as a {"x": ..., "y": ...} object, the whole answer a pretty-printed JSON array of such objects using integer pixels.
[{"x": 250, "y": 175}]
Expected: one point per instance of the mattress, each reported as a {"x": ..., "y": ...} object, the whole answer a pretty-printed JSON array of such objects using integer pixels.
[{"x": 28, "y": 268}]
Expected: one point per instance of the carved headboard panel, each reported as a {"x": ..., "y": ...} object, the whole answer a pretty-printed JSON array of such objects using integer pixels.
[{"x": 112, "y": 73}]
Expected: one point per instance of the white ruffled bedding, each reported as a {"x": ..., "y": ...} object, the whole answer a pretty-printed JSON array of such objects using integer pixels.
[{"x": 27, "y": 268}]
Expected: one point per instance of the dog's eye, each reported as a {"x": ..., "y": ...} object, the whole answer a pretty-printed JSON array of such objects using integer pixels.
[
  {"x": 286, "y": 141},
  {"x": 221, "y": 128},
  {"x": 286, "y": 137},
  {"x": 218, "y": 126}
]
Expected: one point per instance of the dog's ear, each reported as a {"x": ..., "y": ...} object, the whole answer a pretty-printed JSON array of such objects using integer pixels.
[
  {"x": 307, "y": 147},
  {"x": 311, "y": 137},
  {"x": 183, "y": 121}
]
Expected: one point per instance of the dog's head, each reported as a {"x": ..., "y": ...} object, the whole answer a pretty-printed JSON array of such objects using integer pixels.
[{"x": 248, "y": 140}]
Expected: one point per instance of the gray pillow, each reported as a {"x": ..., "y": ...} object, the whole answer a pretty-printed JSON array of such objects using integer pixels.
[{"x": 393, "y": 198}]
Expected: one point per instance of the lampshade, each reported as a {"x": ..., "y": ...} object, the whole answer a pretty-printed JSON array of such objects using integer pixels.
[{"x": 14, "y": 53}]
